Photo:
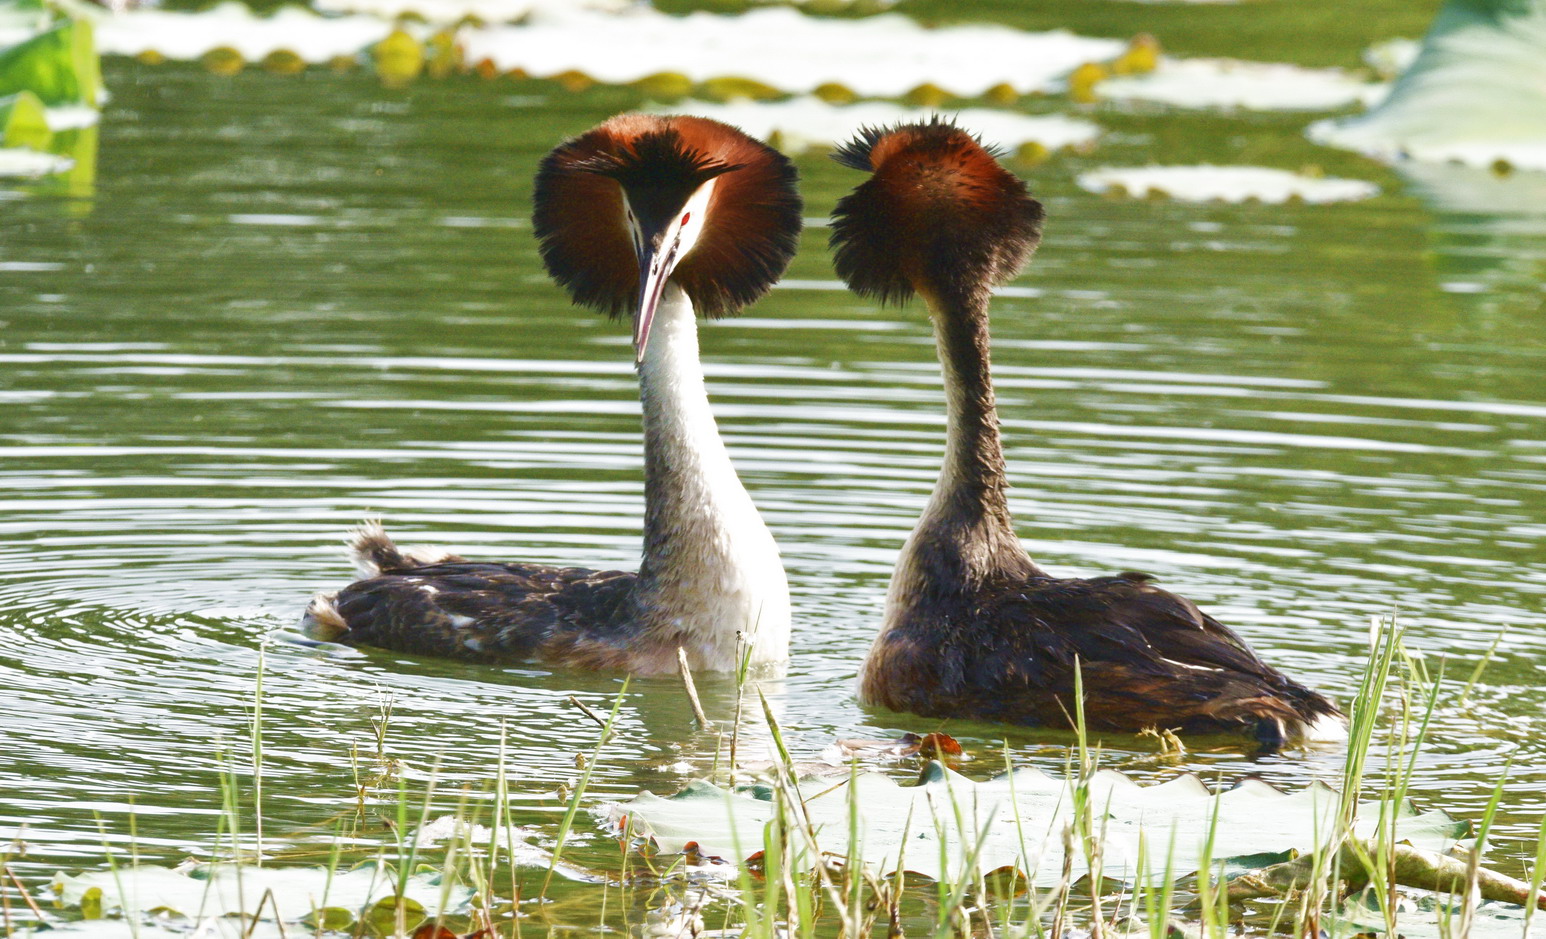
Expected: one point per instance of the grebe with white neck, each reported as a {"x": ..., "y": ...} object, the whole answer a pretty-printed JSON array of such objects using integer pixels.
[
  {"x": 973, "y": 628},
  {"x": 665, "y": 218}
]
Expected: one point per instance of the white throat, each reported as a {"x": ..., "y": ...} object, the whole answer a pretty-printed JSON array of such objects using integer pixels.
[{"x": 710, "y": 566}]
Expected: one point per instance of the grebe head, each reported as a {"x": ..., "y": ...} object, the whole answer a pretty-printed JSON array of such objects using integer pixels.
[
  {"x": 938, "y": 216},
  {"x": 642, "y": 199}
]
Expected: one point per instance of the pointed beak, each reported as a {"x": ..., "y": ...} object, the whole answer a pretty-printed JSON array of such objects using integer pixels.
[{"x": 657, "y": 259}]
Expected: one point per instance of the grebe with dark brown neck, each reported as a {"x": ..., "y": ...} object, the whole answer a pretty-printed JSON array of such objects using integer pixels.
[
  {"x": 664, "y": 218},
  {"x": 973, "y": 628}
]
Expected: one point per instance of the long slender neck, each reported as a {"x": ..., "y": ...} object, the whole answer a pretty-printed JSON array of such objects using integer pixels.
[
  {"x": 972, "y": 484},
  {"x": 965, "y": 535},
  {"x": 710, "y": 566}
]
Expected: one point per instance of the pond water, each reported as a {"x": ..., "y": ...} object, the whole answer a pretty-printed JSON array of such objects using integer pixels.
[{"x": 294, "y": 302}]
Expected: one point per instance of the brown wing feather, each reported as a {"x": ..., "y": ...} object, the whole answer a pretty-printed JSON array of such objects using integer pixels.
[
  {"x": 496, "y": 612},
  {"x": 1147, "y": 657}
]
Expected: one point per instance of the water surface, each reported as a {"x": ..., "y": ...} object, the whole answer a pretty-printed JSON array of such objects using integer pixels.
[{"x": 295, "y": 302}]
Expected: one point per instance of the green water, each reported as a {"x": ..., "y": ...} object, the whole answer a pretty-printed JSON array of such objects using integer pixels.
[{"x": 295, "y": 302}]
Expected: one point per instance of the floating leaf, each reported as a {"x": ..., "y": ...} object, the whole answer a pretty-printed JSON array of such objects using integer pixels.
[
  {"x": 58, "y": 65},
  {"x": 23, "y": 122},
  {"x": 1141, "y": 56},
  {"x": 223, "y": 889},
  {"x": 1231, "y": 83},
  {"x": 1003, "y": 94},
  {"x": 24, "y": 162},
  {"x": 223, "y": 60},
  {"x": 328, "y": 919},
  {"x": 1252, "y": 818},
  {"x": 783, "y": 48},
  {"x": 399, "y": 59},
  {"x": 835, "y": 93},
  {"x": 926, "y": 95},
  {"x": 1473, "y": 95},
  {"x": 1083, "y": 80},
  {"x": 445, "y": 55},
  {"x": 393, "y": 916},
  {"x": 1206, "y": 183},
  {"x": 91, "y": 903},
  {"x": 1430, "y": 917},
  {"x": 572, "y": 80},
  {"x": 665, "y": 85},
  {"x": 283, "y": 62},
  {"x": 737, "y": 88}
]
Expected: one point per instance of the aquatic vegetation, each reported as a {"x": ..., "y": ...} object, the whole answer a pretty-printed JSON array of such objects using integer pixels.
[
  {"x": 458, "y": 11},
  {"x": 778, "y": 49},
  {"x": 59, "y": 65},
  {"x": 1014, "y": 820},
  {"x": 1473, "y": 95},
  {"x": 1225, "y": 184},
  {"x": 1228, "y": 83},
  {"x": 882, "y": 56},
  {"x": 247, "y": 36},
  {"x": 168, "y": 544},
  {"x": 50, "y": 90},
  {"x": 339, "y": 898},
  {"x": 23, "y": 122},
  {"x": 1012, "y": 848}
]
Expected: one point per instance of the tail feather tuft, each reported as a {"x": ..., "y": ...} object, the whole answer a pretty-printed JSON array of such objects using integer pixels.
[
  {"x": 374, "y": 553},
  {"x": 1324, "y": 728}
]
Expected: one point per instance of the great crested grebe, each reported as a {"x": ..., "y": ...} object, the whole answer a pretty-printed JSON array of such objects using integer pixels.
[
  {"x": 661, "y": 217},
  {"x": 973, "y": 628}
]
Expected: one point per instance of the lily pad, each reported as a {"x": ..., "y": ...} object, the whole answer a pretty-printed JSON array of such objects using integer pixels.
[
  {"x": 1230, "y": 83},
  {"x": 243, "y": 35},
  {"x": 1225, "y": 184},
  {"x": 28, "y": 163},
  {"x": 209, "y": 928},
  {"x": 783, "y": 48},
  {"x": 1019, "y": 819},
  {"x": 225, "y": 889},
  {"x": 1473, "y": 95},
  {"x": 1430, "y": 917}
]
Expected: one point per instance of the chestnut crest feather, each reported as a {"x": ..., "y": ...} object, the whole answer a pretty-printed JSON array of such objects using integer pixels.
[
  {"x": 751, "y": 228},
  {"x": 938, "y": 215}
]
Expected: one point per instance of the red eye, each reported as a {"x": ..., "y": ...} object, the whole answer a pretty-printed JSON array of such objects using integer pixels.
[{"x": 686, "y": 217}]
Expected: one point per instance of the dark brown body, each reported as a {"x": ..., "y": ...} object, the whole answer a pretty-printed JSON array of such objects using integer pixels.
[
  {"x": 458, "y": 609},
  {"x": 973, "y": 628},
  {"x": 1147, "y": 659}
]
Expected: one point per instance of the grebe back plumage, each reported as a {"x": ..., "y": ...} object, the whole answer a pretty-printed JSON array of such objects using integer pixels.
[
  {"x": 973, "y": 627},
  {"x": 665, "y": 217}
]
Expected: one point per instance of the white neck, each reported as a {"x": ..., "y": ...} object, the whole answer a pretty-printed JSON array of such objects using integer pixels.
[{"x": 710, "y": 567}]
